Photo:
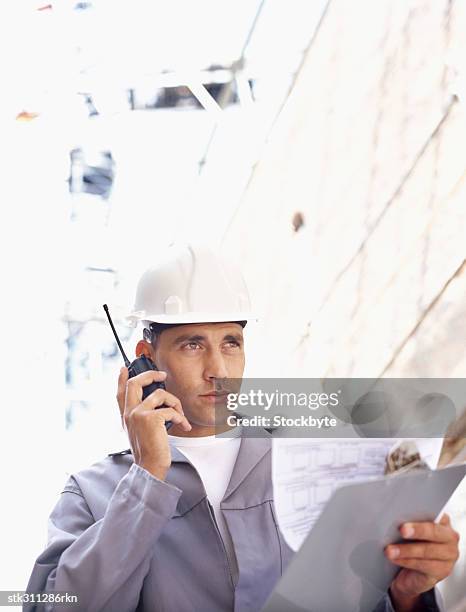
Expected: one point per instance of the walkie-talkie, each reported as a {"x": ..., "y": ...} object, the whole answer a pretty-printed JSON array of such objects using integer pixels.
[{"x": 138, "y": 366}]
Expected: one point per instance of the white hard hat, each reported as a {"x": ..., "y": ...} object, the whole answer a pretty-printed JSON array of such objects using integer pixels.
[{"x": 193, "y": 285}]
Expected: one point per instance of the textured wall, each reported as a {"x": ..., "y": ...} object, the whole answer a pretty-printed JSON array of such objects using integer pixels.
[{"x": 371, "y": 149}]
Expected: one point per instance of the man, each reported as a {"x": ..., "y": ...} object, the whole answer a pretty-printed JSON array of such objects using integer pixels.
[{"x": 186, "y": 522}]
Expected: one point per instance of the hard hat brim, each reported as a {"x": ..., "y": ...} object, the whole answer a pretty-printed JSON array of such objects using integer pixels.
[{"x": 181, "y": 319}]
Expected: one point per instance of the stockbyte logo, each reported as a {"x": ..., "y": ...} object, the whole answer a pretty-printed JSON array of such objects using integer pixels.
[
  {"x": 282, "y": 399},
  {"x": 341, "y": 407}
]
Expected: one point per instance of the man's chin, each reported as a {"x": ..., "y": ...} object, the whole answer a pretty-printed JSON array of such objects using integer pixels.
[{"x": 212, "y": 416}]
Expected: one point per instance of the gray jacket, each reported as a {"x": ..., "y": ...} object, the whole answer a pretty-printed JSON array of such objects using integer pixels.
[{"x": 124, "y": 541}]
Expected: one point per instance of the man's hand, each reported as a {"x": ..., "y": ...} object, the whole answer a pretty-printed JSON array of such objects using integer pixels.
[
  {"x": 144, "y": 421},
  {"x": 425, "y": 561}
]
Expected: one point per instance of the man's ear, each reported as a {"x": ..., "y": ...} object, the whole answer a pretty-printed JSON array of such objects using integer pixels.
[{"x": 143, "y": 348}]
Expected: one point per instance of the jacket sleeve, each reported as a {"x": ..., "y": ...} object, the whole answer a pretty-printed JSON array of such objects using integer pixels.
[
  {"x": 431, "y": 601},
  {"x": 103, "y": 562}
]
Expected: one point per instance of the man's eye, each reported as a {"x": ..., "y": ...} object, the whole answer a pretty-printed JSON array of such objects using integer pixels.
[
  {"x": 233, "y": 344},
  {"x": 192, "y": 345}
]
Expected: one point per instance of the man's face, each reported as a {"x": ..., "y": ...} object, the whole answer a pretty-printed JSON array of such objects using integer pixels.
[{"x": 194, "y": 355}]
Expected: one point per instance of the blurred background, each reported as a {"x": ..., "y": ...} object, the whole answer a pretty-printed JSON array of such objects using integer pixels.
[{"x": 319, "y": 143}]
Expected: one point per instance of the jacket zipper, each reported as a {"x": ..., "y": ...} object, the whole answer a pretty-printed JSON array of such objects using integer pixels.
[{"x": 214, "y": 521}]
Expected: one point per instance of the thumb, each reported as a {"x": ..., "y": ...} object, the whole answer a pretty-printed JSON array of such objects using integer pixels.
[{"x": 445, "y": 520}]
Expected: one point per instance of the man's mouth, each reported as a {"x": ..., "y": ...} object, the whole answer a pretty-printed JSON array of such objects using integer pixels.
[{"x": 215, "y": 397}]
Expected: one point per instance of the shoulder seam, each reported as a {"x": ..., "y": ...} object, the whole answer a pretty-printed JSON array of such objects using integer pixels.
[
  {"x": 77, "y": 491},
  {"x": 72, "y": 490}
]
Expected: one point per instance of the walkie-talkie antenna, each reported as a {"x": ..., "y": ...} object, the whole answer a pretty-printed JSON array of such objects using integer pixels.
[{"x": 126, "y": 360}]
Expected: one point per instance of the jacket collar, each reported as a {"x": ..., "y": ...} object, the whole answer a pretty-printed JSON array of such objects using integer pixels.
[
  {"x": 182, "y": 474},
  {"x": 251, "y": 451}
]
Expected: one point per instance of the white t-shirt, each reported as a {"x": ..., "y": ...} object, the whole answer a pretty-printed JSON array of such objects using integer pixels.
[{"x": 213, "y": 459}]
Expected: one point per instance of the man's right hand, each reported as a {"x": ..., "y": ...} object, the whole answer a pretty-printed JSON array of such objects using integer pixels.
[{"x": 144, "y": 421}]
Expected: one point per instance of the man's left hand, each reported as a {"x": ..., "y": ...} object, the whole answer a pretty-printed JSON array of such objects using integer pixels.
[{"x": 425, "y": 561}]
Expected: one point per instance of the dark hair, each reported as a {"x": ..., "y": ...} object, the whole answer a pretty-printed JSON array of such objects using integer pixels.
[{"x": 150, "y": 333}]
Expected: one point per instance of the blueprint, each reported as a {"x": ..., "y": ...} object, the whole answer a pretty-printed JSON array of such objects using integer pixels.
[{"x": 306, "y": 472}]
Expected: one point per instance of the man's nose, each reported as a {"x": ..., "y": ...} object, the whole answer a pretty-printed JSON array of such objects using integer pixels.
[{"x": 215, "y": 366}]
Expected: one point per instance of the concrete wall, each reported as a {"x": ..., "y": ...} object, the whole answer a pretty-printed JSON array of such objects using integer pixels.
[{"x": 371, "y": 149}]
